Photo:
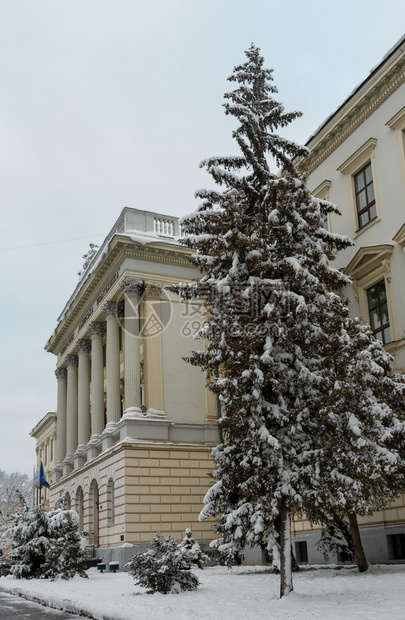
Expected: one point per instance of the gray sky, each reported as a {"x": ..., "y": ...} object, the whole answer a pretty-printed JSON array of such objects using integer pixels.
[{"x": 113, "y": 103}]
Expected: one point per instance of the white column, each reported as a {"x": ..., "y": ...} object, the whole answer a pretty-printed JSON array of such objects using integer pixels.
[
  {"x": 132, "y": 359},
  {"x": 71, "y": 406},
  {"x": 83, "y": 347},
  {"x": 97, "y": 331},
  {"x": 60, "y": 447},
  {"x": 152, "y": 348},
  {"x": 113, "y": 362}
]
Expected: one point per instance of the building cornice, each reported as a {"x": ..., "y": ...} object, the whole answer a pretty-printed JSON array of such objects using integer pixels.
[
  {"x": 104, "y": 277},
  {"x": 357, "y": 108},
  {"x": 400, "y": 236},
  {"x": 47, "y": 420}
]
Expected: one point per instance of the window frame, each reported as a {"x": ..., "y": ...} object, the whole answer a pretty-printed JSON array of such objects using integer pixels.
[
  {"x": 378, "y": 307},
  {"x": 352, "y": 167},
  {"x": 321, "y": 192},
  {"x": 369, "y": 266},
  {"x": 370, "y": 203}
]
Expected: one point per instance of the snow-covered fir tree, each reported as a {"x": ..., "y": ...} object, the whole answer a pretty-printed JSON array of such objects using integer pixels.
[
  {"x": 363, "y": 449},
  {"x": 192, "y": 550},
  {"x": 336, "y": 538},
  {"x": 274, "y": 325},
  {"x": 46, "y": 544},
  {"x": 163, "y": 567}
]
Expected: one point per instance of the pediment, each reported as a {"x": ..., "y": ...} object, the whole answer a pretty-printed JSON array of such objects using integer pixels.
[
  {"x": 368, "y": 259},
  {"x": 400, "y": 236}
]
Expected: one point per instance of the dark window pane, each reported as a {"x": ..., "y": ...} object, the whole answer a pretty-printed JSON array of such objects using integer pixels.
[
  {"x": 378, "y": 312},
  {"x": 375, "y": 319},
  {"x": 372, "y": 296},
  {"x": 361, "y": 200},
  {"x": 382, "y": 295},
  {"x": 364, "y": 219},
  {"x": 384, "y": 315},
  {"x": 387, "y": 335},
  {"x": 368, "y": 174},
  {"x": 373, "y": 212},
  {"x": 359, "y": 181}
]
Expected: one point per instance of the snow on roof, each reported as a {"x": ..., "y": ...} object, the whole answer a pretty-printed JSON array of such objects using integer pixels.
[{"x": 357, "y": 88}]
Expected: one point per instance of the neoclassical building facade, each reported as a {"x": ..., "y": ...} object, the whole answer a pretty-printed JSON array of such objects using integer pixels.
[
  {"x": 134, "y": 422},
  {"x": 358, "y": 162}
]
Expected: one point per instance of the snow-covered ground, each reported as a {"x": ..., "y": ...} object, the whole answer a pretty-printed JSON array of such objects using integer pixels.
[{"x": 246, "y": 592}]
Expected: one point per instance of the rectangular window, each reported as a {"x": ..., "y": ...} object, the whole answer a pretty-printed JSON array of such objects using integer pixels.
[
  {"x": 365, "y": 199},
  {"x": 396, "y": 546},
  {"x": 301, "y": 551},
  {"x": 378, "y": 312}
]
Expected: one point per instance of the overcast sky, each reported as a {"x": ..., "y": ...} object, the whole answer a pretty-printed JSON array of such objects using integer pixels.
[{"x": 113, "y": 103}]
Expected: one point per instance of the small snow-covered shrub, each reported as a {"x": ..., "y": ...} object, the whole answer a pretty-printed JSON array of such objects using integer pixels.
[
  {"x": 336, "y": 538},
  {"x": 192, "y": 550},
  {"x": 45, "y": 544},
  {"x": 163, "y": 567}
]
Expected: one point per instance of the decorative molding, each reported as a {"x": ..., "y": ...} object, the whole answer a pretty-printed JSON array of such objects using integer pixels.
[
  {"x": 97, "y": 329},
  {"x": 83, "y": 345},
  {"x": 367, "y": 259},
  {"x": 153, "y": 290},
  {"x": 72, "y": 360},
  {"x": 397, "y": 121},
  {"x": 362, "y": 109},
  {"x": 61, "y": 373},
  {"x": 370, "y": 265},
  {"x": 322, "y": 191},
  {"x": 130, "y": 286},
  {"x": 359, "y": 158},
  {"x": 110, "y": 309},
  {"x": 120, "y": 248},
  {"x": 399, "y": 237}
]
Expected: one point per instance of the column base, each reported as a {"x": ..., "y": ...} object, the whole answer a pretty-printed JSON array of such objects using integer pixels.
[
  {"x": 152, "y": 424},
  {"x": 57, "y": 472},
  {"x": 79, "y": 456},
  {"x": 67, "y": 464},
  {"x": 107, "y": 439},
  {"x": 133, "y": 411},
  {"x": 92, "y": 447}
]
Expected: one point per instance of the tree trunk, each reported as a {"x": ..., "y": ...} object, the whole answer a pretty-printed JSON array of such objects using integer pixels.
[
  {"x": 286, "y": 582},
  {"x": 361, "y": 559}
]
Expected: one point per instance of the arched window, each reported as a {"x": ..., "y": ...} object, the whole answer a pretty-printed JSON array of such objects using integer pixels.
[
  {"x": 67, "y": 502},
  {"x": 110, "y": 501},
  {"x": 80, "y": 507},
  {"x": 94, "y": 513}
]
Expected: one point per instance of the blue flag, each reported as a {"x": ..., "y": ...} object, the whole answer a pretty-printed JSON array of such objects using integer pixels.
[{"x": 39, "y": 478}]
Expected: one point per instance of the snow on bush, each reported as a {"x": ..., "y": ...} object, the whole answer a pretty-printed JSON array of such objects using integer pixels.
[
  {"x": 163, "y": 568},
  {"x": 192, "y": 550},
  {"x": 45, "y": 544}
]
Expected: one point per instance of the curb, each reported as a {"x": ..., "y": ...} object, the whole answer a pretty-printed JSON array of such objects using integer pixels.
[{"x": 67, "y": 606}]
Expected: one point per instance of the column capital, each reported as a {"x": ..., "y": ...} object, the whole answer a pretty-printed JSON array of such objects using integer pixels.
[
  {"x": 153, "y": 290},
  {"x": 131, "y": 286},
  {"x": 61, "y": 373},
  {"x": 72, "y": 360},
  {"x": 110, "y": 309},
  {"x": 97, "y": 328},
  {"x": 83, "y": 345}
]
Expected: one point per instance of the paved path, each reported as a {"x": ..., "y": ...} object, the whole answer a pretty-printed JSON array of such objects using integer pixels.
[{"x": 16, "y": 608}]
